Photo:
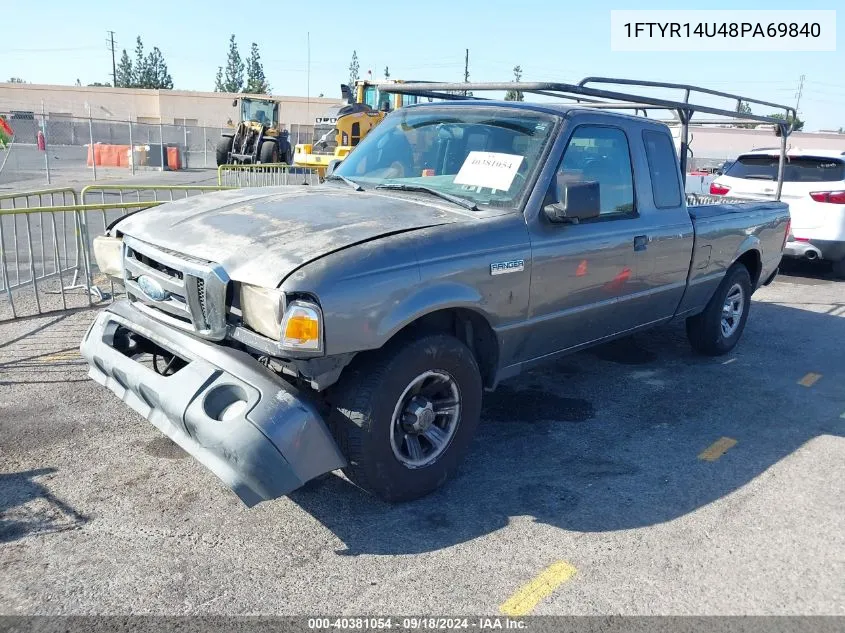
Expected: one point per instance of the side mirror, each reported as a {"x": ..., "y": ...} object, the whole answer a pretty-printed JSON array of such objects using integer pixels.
[
  {"x": 577, "y": 201},
  {"x": 332, "y": 166},
  {"x": 234, "y": 103}
]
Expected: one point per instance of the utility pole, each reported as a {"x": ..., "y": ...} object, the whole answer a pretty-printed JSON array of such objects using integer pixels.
[
  {"x": 800, "y": 90},
  {"x": 466, "y": 70},
  {"x": 113, "y": 63}
]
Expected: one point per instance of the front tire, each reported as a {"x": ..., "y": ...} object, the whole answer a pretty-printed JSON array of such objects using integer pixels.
[
  {"x": 224, "y": 146},
  {"x": 269, "y": 152},
  {"x": 405, "y": 417},
  {"x": 839, "y": 269},
  {"x": 717, "y": 330}
]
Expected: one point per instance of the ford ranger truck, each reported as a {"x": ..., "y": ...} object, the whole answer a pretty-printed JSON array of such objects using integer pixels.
[{"x": 280, "y": 333}]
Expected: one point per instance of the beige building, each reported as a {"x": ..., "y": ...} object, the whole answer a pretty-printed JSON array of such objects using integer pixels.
[
  {"x": 179, "y": 107},
  {"x": 720, "y": 142},
  {"x": 214, "y": 109}
]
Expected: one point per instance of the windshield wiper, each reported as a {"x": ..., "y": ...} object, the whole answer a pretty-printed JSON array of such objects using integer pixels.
[
  {"x": 348, "y": 181},
  {"x": 466, "y": 204}
]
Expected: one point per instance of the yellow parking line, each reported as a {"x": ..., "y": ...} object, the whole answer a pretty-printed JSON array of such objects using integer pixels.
[
  {"x": 717, "y": 449},
  {"x": 810, "y": 379},
  {"x": 69, "y": 355},
  {"x": 526, "y": 598}
]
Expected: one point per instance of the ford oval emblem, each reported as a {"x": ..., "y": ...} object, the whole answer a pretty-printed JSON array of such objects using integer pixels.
[{"x": 152, "y": 289}]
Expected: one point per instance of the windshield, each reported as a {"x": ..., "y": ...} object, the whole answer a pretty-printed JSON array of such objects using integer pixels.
[
  {"x": 485, "y": 154},
  {"x": 804, "y": 169},
  {"x": 261, "y": 111}
]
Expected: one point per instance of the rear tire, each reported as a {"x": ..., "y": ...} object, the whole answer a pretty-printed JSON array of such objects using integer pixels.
[
  {"x": 717, "y": 330},
  {"x": 224, "y": 146},
  {"x": 383, "y": 428},
  {"x": 269, "y": 152}
]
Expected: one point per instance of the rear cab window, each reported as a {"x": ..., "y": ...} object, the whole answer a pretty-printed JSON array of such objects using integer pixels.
[
  {"x": 796, "y": 169},
  {"x": 663, "y": 168}
]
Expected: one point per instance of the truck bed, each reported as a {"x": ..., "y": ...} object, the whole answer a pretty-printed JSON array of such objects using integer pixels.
[{"x": 725, "y": 228}]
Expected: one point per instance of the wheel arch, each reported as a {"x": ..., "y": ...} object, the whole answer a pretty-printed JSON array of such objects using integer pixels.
[
  {"x": 466, "y": 323},
  {"x": 749, "y": 256}
]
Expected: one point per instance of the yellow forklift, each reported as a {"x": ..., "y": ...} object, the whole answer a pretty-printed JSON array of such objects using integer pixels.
[{"x": 342, "y": 127}]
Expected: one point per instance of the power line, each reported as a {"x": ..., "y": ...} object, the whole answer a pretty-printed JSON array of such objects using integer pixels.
[{"x": 49, "y": 50}]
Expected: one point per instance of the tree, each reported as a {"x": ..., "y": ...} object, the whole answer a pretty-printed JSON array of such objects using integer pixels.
[
  {"x": 157, "y": 75},
  {"x": 256, "y": 82},
  {"x": 798, "y": 124},
  {"x": 16, "y": 80},
  {"x": 353, "y": 69},
  {"x": 140, "y": 74},
  {"x": 742, "y": 107},
  {"x": 386, "y": 72},
  {"x": 124, "y": 78},
  {"x": 515, "y": 95},
  {"x": 218, "y": 80},
  {"x": 233, "y": 76}
]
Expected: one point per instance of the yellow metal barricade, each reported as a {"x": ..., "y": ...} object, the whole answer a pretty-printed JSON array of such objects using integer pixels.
[
  {"x": 265, "y": 175},
  {"x": 44, "y": 239}
]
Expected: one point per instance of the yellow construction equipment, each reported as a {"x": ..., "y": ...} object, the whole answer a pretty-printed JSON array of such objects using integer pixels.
[
  {"x": 342, "y": 127},
  {"x": 258, "y": 136}
]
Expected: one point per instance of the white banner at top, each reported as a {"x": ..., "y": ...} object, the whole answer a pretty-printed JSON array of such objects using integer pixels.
[{"x": 723, "y": 30}]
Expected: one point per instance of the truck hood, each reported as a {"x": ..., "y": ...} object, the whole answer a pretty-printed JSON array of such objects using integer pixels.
[{"x": 261, "y": 236}]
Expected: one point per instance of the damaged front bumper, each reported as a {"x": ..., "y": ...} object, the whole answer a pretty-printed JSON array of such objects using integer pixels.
[{"x": 257, "y": 433}]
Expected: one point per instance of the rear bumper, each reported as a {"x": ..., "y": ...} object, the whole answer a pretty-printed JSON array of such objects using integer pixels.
[
  {"x": 815, "y": 249},
  {"x": 269, "y": 442}
]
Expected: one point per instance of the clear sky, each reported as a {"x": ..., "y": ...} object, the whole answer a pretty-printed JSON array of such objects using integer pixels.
[{"x": 54, "y": 41}]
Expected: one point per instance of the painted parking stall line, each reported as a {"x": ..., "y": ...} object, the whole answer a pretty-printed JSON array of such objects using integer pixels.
[
  {"x": 810, "y": 379},
  {"x": 530, "y": 595},
  {"x": 717, "y": 449}
]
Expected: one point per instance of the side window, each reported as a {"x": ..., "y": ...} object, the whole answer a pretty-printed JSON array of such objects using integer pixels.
[
  {"x": 662, "y": 166},
  {"x": 601, "y": 154}
]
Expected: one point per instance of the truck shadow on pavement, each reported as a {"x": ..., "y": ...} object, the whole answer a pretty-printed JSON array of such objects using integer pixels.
[
  {"x": 609, "y": 439},
  {"x": 27, "y": 507}
]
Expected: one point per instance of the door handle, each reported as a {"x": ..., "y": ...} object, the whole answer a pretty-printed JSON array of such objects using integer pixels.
[{"x": 641, "y": 242}]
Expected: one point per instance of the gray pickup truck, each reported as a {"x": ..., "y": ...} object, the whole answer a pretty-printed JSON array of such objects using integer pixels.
[{"x": 277, "y": 334}]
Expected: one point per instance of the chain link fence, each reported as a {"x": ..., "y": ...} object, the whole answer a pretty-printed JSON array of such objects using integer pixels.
[{"x": 51, "y": 146}]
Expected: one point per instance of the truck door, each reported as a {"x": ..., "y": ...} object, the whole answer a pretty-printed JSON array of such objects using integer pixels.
[
  {"x": 580, "y": 271},
  {"x": 664, "y": 239}
]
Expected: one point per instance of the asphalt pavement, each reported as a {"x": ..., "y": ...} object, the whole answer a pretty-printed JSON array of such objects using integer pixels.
[{"x": 635, "y": 478}]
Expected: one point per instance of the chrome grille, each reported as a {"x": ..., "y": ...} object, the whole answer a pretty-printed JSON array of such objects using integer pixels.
[
  {"x": 201, "y": 297},
  {"x": 186, "y": 292}
]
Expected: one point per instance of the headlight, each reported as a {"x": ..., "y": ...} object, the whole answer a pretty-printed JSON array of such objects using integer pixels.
[
  {"x": 301, "y": 327},
  {"x": 262, "y": 310},
  {"x": 108, "y": 251}
]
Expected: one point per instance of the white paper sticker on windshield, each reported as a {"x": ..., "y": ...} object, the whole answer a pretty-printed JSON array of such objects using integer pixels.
[{"x": 489, "y": 169}]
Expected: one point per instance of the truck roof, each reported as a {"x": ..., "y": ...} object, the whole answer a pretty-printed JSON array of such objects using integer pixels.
[
  {"x": 559, "y": 109},
  {"x": 796, "y": 151}
]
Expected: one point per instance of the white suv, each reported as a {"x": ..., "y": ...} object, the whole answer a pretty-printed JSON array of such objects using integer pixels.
[{"x": 814, "y": 188}]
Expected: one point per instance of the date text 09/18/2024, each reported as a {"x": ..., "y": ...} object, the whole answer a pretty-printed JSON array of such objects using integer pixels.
[{"x": 416, "y": 623}]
